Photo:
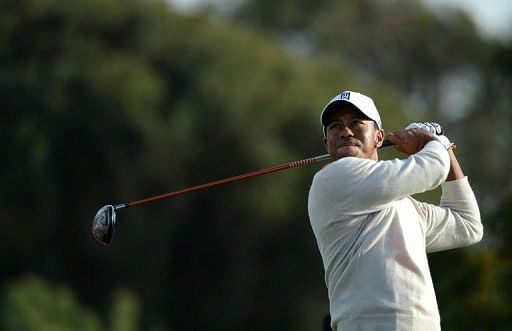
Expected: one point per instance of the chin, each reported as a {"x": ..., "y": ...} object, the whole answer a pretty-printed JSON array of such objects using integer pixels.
[{"x": 347, "y": 151}]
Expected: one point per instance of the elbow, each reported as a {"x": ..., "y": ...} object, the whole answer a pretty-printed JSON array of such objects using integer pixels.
[
  {"x": 479, "y": 234},
  {"x": 475, "y": 234},
  {"x": 478, "y": 228},
  {"x": 472, "y": 229}
]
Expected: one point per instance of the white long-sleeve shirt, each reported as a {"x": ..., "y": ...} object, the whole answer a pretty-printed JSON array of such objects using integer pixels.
[{"x": 374, "y": 238}]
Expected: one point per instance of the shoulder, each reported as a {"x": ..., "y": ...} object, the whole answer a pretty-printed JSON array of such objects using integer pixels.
[
  {"x": 346, "y": 165},
  {"x": 338, "y": 175},
  {"x": 346, "y": 171}
]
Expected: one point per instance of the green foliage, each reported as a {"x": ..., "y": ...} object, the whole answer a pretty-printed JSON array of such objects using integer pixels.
[
  {"x": 32, "y": 304},
  {"x": 287, "y": 15},
  {"x": 125, "y": 312}
]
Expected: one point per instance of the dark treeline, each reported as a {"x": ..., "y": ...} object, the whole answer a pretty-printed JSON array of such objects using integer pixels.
[{"x": 107, "y": 101}]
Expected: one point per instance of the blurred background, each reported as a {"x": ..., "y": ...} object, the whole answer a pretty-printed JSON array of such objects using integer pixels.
[{"x": 108, "y": 101}]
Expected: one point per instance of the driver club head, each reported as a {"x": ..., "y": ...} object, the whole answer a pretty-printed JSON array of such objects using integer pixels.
[{"x": 103, "y": 224}]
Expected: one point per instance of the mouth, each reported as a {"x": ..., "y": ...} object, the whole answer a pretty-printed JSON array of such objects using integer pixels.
[{"x": 347, "y": 143}]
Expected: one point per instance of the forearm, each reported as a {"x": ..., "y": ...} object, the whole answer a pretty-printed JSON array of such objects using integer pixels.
[
  {"x": 359, "y": 185},
  {"x": 455, "y": 169},
  {"x": 456, "y": 222}
]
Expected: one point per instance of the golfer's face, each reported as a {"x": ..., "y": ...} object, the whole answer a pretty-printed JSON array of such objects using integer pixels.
[{"x": 350, "y": 133}]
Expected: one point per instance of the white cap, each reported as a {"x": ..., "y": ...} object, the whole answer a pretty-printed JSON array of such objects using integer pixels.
[{"x": 362, "y": 102}]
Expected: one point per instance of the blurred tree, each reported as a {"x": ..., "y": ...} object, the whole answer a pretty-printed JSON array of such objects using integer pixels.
[
  {"x": 281, "y": 17},
  {"x": 125, "y": 312},
  {"x": 32, "y": 304},
  {"x": 397, "y": 41},
  {"x": 119, "y": 99}
]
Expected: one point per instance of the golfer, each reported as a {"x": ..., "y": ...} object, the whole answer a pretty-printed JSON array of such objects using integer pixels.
[{"x": 372, "y": 235}]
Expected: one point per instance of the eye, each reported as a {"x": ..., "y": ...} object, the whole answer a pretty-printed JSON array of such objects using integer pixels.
[
  {"x": 335, "y": 125},
  {"x": 356, "y": 122}
]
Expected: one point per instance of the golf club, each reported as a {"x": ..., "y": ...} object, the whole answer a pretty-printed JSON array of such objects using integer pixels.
[{"x": 105, "y": 219}]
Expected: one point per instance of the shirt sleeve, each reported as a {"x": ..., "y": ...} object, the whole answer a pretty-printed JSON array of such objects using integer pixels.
[
  {"x": 456, "y": 222},
  {"x": 354, "y": 186}
]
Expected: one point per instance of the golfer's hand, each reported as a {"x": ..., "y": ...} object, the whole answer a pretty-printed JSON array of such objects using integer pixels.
[
  {"x": 432, "y": 128},
  {"x": 427, "y": 126},
  {"x": 410, "y": 141}
]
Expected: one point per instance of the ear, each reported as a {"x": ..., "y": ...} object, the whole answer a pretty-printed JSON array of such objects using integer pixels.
[{"x": 379, "y": 137}]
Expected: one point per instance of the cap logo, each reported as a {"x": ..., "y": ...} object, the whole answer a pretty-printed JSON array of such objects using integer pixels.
[{"x": 345, "y": 96}]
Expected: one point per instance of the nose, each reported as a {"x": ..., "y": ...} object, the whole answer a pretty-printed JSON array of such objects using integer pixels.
[{"x": 345, "y": 132}]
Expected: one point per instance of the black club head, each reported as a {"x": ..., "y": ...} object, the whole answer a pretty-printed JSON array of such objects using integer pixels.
[{"x": 103, "y": 224}]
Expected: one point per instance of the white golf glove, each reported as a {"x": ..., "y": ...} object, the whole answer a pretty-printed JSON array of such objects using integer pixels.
[{"x": 435, "y": 129}]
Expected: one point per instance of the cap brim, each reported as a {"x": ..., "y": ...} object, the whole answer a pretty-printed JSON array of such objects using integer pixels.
[{"x": 336, "y": 105}]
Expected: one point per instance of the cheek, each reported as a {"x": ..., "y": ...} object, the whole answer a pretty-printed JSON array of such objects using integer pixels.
[
  {"x": 331, "y": 139},
  {"x": 369, "y": 139},
  {"x": 331, "y": 143}
]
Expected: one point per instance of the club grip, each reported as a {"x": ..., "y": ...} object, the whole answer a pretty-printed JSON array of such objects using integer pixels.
[{"x": 386, "y": 143}]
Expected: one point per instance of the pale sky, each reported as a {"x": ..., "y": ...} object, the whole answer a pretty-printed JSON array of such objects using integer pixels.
[{"x": 493, "y": 17}]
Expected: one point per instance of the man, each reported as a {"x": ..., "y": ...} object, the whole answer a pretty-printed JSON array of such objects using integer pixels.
[{"x": 373, "y": 237}]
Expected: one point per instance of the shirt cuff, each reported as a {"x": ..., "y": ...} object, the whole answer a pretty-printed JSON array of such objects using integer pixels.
[{"x": 434, "y": 144}]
